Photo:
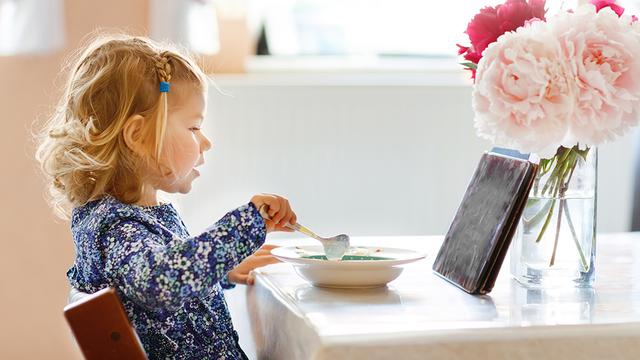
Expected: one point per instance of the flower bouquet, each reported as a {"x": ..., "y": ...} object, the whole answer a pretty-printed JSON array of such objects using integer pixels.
[{"x": 555, "y": 86}]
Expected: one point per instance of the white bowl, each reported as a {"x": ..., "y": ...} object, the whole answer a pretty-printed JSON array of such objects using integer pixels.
[{"x": 347, "y": 273}]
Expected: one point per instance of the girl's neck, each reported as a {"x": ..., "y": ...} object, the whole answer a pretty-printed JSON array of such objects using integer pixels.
[{"x": 148, "y": 197}]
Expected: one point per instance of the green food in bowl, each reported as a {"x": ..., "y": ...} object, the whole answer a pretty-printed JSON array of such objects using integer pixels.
[{"x": 348, "y": 257}]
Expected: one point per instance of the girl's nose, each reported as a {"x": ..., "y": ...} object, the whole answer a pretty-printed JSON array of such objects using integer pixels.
[{"x": 205, "y": 143}]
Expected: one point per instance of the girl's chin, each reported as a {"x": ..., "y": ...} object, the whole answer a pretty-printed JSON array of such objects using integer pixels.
[
  {"x": 182, "y": 184},
  {"x": 184, "y": 188}
]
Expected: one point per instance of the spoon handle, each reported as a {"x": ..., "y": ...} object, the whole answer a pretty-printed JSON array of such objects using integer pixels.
[
  {"x": 304, "y": 230},
  {"x": 264, "y": 211}
]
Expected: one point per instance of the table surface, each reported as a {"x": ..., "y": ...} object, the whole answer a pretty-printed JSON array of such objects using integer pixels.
[{"x": 420, "y": 307}]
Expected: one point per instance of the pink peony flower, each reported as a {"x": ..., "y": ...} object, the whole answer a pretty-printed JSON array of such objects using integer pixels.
[
  {"x": 514, "y": 13},
  {"x": 491, "y": 22},
  {"x": 523, "y": 94},
  {"x": 601, "y": 4},
  {"x": 483, "y": 29},
  {"x": 602, "y": 51}
]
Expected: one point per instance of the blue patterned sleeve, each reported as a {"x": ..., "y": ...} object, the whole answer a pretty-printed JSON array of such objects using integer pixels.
[
  {"x": 226, "y": 283},
  {"x": 158, "y": 274}
]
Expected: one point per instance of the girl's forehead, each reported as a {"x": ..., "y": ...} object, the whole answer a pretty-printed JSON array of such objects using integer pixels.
[
  {"x": 187, "y": 97},
  {"x": 189, "y": 106}
]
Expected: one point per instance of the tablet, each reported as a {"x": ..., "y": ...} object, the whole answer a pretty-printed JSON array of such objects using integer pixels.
[{"x": 481, "y": 231}]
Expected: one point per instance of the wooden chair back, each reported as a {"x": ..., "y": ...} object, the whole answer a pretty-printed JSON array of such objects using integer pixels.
[{"x": 101, "y": 327}]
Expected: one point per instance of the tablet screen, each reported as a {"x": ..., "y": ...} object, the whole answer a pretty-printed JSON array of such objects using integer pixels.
[{"x": 485, "y": 221}]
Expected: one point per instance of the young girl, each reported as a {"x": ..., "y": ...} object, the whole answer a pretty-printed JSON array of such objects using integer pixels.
[{"x": 128, "y": 126}]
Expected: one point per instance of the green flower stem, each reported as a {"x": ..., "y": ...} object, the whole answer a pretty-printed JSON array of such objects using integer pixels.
[
  {"x": 558, "y": 170},
  {"x": 549, "y": 215},
  {"x": 539, "y": 216},
  {"x": 563, "y": 188},
  {"x": 583, "y": 259},
  {"x": 555, "y": 241},
  {"x": 552, "y": 179},
  {"x": 562, "y": 167}
]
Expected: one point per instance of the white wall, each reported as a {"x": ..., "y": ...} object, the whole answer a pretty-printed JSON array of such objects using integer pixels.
[{"x": 364, "y": 155}]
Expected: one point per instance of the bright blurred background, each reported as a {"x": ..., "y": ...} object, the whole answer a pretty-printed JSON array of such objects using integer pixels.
[{"x": 357, "y": 111}]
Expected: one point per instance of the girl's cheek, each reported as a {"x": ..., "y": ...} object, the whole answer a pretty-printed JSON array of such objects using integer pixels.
[{"x": 193, "y": 154}]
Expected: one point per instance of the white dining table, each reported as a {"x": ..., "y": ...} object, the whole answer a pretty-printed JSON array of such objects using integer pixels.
[{"x": 421, "y": 316}]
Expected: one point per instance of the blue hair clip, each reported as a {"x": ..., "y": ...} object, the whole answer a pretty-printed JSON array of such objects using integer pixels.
[{"x": 164, "y": 86}]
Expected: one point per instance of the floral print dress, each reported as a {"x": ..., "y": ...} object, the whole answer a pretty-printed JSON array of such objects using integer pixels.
[{"x": 170, "y": 283}]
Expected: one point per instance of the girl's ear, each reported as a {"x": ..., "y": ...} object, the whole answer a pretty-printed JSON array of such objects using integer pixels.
[{"x": 133, "y": 134}]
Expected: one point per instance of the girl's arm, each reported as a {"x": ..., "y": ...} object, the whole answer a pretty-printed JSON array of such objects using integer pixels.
[{"x": 165, "y": 276}]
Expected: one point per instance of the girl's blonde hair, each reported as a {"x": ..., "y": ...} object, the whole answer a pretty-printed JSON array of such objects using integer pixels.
[{"x": 81, "y": 149}]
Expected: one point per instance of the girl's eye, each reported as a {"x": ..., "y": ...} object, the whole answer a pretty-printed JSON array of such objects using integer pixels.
[{"x": 194, "y": 129}]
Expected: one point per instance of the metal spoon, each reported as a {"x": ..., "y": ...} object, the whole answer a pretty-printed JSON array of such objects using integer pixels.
[{"x": 334, "y": 247}]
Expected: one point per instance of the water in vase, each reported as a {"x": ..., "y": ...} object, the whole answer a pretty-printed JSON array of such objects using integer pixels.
[{"x": 560, "y": 252}]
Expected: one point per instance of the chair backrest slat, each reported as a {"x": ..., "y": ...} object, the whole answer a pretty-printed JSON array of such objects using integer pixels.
[{"x": 101, "y": 327}]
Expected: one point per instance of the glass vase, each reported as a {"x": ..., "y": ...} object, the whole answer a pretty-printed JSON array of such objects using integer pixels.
[{"x": 555, "y": 243}]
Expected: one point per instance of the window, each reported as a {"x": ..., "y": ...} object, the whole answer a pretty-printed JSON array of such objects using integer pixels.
[
  {"x": 376, "y": 27},
  {"x": 31, "y": 26},
  {"x": 191, "y": 23}
]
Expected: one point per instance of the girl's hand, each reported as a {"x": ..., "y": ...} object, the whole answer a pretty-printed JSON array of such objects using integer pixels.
[
  {"x": 242, "y": 274},
  {"x": 279, "y": 211}
]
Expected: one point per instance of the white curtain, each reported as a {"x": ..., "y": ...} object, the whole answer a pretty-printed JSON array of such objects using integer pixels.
[
  {"x": 31, "y": 26},
  {"x": 190, "y": 23}
]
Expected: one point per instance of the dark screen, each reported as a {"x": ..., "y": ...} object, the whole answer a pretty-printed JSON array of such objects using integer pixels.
[{"x": 485, "y": 220}]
